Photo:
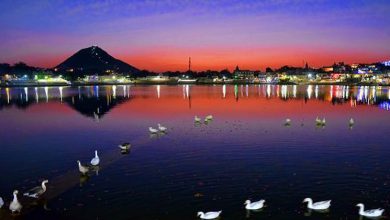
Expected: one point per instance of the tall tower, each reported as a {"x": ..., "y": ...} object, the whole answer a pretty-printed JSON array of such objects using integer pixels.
[{"x": 189, "y": 64}]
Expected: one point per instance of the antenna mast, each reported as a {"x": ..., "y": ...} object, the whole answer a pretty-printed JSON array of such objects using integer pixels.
[{"x": 189, "y": 64}]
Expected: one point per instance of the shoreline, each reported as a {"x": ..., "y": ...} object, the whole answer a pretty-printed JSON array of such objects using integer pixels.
[{"x": 197, "y": 83}]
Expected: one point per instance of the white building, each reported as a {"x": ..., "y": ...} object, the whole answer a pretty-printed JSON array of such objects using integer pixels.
[{"x": 386, "y": 63}]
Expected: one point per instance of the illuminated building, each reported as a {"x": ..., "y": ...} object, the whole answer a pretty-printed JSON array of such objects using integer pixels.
[
  {"x": 245, "y": 74},
  {"x": 327, "y": 69}
]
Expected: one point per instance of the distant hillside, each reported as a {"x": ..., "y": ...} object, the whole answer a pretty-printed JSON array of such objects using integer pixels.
[
  {"x": 18, "y": 69},
  {"x": 95, "y": 60}
]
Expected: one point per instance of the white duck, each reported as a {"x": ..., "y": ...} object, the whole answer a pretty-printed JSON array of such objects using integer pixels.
[
  {"x": 373, "y": 213},
  {"x": 153, "y": 130},
  {"x": 209, "y": 117},
  {"x": 254, "y": 205},
  {"x": 351, "y": 122},
  {"x": 318, "y": 121},
  {"x": 15, "y": 205},
  {"x": 1, "y": 202},
  {"x": 318, "y": 205},
  {"x": 124, "y": 146},
  {"x": 197, "y": 119},
  {"x": 162, "y": 128},
  {"x": 96, "y": 160},
  {"x": 36, "y": 192},
  {"x": 209, "y": 215},
  {"x": 82, "y": 169},
  {"x": 288, "y": 122}
]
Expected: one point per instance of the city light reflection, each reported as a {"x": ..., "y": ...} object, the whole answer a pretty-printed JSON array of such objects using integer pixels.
[
  {"x": 36, "y": 94},
  {"x": 388, "y": 93},
  {"x": 331, "y": 92},
  {"x": 341, "y": 94},
  {"x": 309, "y": 91},
  {"x": 294, "y": 91},
  {"x": 96, "y": 91},
  {"x": 284, "y": 92},
  {"x": 124, "y": 90},
  {"x": 186, "y": 91},
  {"x": 268, "y": 91},
  {"x": 26, "y": 93},
  {"x": 47, "y": 93},
  {"x": 360, "y": 94},
  {"x": 366, "y": 93},
  {"x": 60, "y": 89},
  {"x": 236, "y": 92},
  {"x": 114, "y": 91},
  {"x": 8, "y": 96}
]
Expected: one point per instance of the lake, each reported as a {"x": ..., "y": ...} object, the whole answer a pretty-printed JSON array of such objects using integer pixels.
[{"x": 245, "y": 152}]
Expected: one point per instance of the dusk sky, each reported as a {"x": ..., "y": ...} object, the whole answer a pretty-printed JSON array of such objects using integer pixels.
[{"x": 161, "y": 35}]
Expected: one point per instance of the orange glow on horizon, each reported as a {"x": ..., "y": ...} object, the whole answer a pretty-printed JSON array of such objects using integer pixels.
[{"x": 176, "y": 59}]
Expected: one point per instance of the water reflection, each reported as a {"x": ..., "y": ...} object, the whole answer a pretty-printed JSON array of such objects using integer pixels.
[
  {"x": 156, "y": 135},
  {"x": 251, "y": 213},
  {"x": 284, "y": 92},
  {"x": 60, "y": 89},
  {"x": 280, "y": 165},
  {"x": 310, "y": 212},
  {"x": 8, "y": 96},
  {"x": 96, "y": 101},
  {"x": 186, "y": 91},
  {"x": 26, "y": 93},
  {"x": 268, "y": 91},
  {"x": 294, "y": 91},
  {"x": 309, "y": 91},
  {"x": 36, "y": 94},
  {"x": 47, "y": 94},
  {"x": 388, "y": 94},
  {"x": 114, "y": 92},
  {"x": 236, "y": 92},
  {"x": 83, "y": 179}
]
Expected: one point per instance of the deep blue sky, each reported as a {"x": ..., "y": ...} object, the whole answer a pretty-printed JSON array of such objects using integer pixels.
[{"x": 160, "y": 35}]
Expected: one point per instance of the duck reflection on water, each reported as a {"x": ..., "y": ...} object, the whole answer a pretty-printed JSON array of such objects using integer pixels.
[
  {"x": 310, "y": 212},
  {"x": 250, "y": 213},
  {"x": 83, "y": 179}
]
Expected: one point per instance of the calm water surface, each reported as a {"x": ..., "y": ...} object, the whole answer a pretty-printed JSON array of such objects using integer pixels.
[{"x": 244, "y": 153}]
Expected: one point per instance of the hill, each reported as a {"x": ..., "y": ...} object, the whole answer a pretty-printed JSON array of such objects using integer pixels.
[{"x": 94, "y": 60}]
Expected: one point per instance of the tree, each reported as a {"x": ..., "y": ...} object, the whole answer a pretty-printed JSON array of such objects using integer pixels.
[
  {"x": 226, "y": 73},
  {"x": 268, "y": 70},
  {"x": 4, "y": 68}
]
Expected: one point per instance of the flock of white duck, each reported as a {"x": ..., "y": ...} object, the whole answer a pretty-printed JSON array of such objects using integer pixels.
[
  {"x": 36, "y": 192},
  {"x": 319, "y": 206},
  {"x": 207, "y": 119},
  {"x": 321, "y": 122},
  {"x": 159, "y": 128},
  {"x": 162, "y": 129},
  {"x": 95, "y": 161}
]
